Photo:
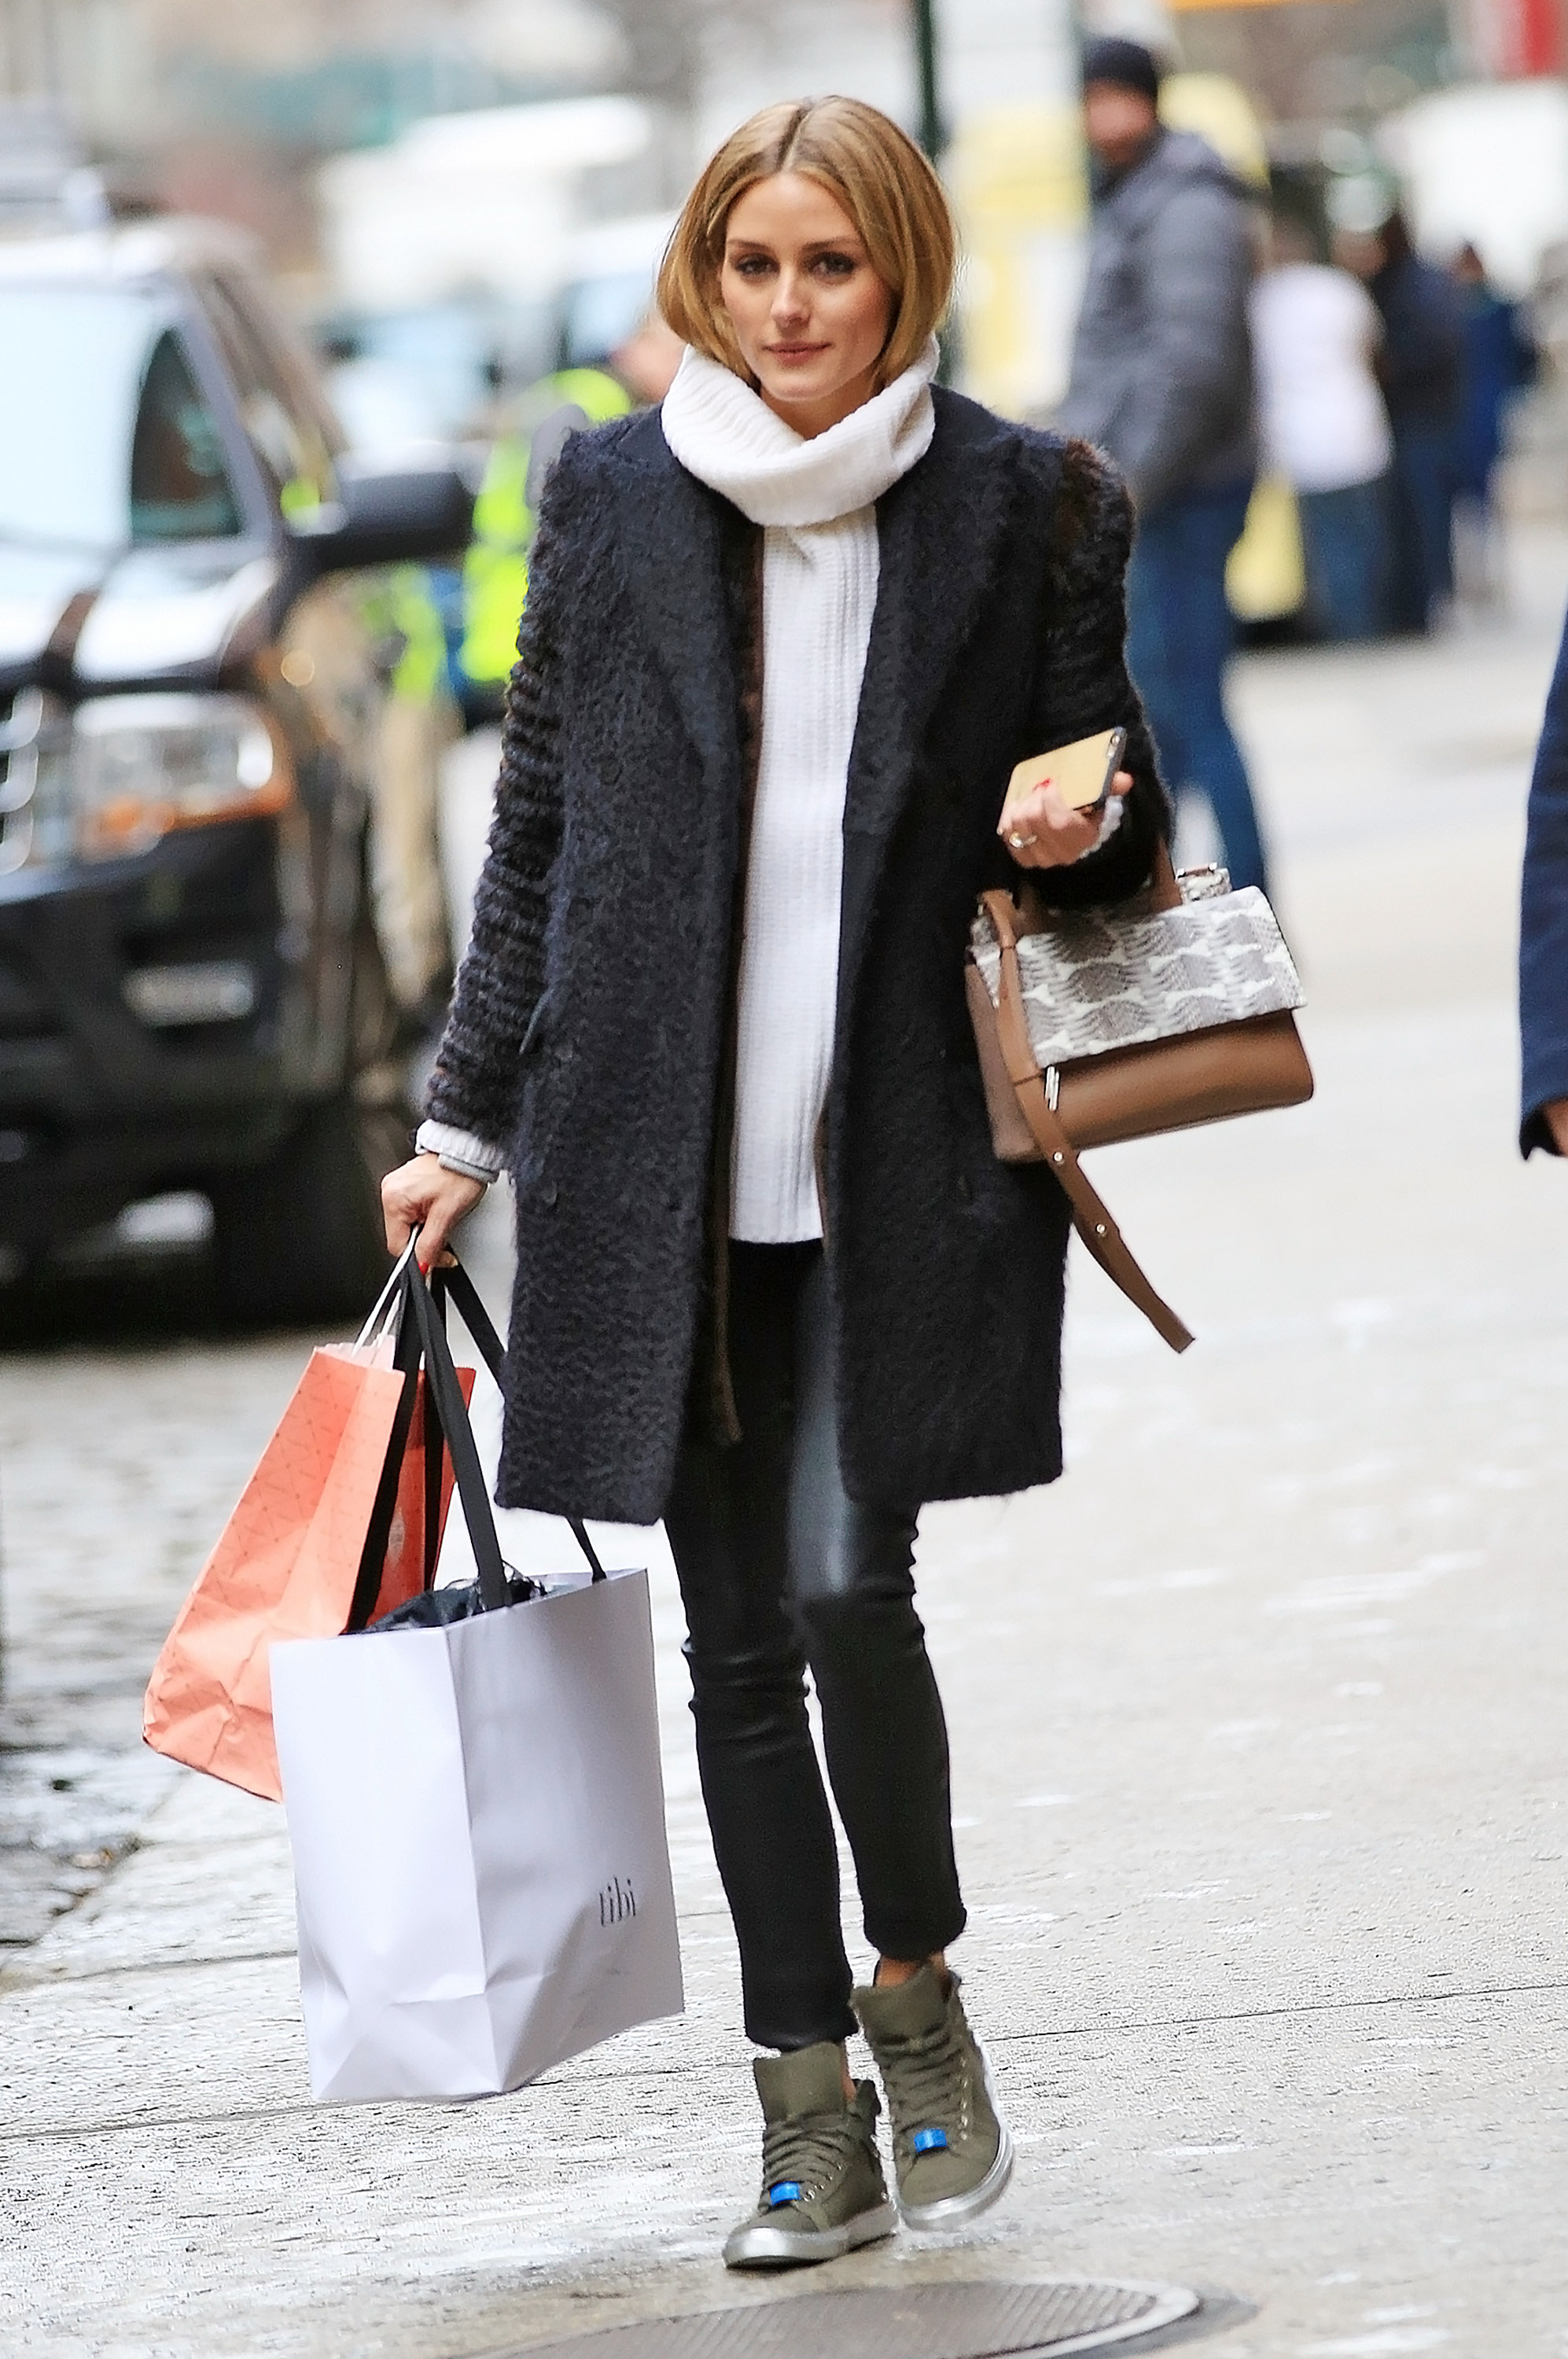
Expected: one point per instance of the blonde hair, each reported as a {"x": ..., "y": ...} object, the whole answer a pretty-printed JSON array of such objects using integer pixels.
[{"x": 878, "y": 176}]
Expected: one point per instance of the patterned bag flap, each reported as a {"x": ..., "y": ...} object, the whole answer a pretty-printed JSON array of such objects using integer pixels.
[{"x": 1117, "y": 978}]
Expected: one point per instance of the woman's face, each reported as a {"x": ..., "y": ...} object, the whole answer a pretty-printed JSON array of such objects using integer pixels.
[{"x": 810, "y": 314}]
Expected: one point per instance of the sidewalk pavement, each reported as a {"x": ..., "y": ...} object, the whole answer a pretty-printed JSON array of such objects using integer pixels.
[{"x": 1257, "y": 1726}]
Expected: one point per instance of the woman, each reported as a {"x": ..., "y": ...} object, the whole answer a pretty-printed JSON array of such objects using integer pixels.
[
  {"x": 1316, "y": 333},
  {"x": 785, "y": 641},
  {"x": 1421, "y": 366}
]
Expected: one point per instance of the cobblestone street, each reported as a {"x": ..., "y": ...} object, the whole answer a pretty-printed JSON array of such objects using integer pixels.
[{"x": 1256, "y": 1723}]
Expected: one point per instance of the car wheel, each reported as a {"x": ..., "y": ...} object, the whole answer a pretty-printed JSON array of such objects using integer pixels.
[{"x": 302, "y": 1238}]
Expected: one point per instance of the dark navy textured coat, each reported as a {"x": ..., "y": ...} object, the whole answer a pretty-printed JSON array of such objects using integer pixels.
[
  {"x": 589, "y": 1031},
  {"x": 1543, "y": 923}
]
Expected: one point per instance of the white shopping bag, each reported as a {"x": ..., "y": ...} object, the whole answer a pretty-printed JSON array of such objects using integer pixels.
[{"x": 477, "y": 1819}]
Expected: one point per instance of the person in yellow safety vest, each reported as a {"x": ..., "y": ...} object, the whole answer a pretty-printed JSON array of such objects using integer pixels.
[
  {"x": 496, "y": 570},
  {"x": 419, "y": 719}
]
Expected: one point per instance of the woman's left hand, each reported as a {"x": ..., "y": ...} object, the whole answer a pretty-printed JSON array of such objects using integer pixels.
[{"x": 1045, "y": 832}]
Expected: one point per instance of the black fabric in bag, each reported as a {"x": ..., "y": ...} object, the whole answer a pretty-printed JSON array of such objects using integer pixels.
[{"x": 433, "y": 1609}]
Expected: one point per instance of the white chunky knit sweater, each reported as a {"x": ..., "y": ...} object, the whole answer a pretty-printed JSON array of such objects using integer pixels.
[{"x": 815, "y": 501}]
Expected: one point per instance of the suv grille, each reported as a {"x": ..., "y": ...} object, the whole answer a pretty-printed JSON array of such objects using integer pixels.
[{"x": 32, "y": 735}]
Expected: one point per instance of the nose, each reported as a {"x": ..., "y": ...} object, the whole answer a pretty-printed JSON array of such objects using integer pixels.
[{"x": 790, "y": 299}]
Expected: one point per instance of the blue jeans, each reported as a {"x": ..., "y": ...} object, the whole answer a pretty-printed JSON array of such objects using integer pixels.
[
  {"x": 1422, "y": 524},
  {"x": 1180, "y": 636},
  {"x": 1344, "y": 537}
]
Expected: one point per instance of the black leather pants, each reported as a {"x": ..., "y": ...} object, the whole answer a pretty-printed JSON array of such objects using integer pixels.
[{"x": 779, "y": 1571}]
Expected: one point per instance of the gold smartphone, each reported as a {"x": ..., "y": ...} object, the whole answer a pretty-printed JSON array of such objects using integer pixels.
[{"x": 1082, "y": 771}]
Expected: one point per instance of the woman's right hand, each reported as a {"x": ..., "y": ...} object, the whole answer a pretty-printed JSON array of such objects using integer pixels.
[{"x": 425, "y": 1196}]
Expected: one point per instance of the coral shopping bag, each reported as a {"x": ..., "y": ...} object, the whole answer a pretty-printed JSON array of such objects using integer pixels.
[
  {"x": 341, "y": 1520},
  {"x": 476, "y": 1809}
]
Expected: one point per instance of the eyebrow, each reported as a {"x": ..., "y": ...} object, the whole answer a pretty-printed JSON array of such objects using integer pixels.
[{"x": 817, "y": 244}]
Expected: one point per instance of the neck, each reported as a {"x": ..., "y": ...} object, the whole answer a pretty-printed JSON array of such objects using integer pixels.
[
  {"x": 810, "y": 419},
  {"x": 1114, "y": 164}
]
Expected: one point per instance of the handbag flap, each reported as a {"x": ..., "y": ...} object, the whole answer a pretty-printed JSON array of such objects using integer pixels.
[{"x": 1119, "y": 977}]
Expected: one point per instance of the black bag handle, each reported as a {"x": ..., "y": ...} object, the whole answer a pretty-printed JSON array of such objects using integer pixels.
[
  {"x": 446, "y": 1400},
  {"x": 435, "y": 1468},
  {"x": 452, "y": 1281},
  {"x": 422, "y": 1317},
  {"x": 378, "y": 1532}
]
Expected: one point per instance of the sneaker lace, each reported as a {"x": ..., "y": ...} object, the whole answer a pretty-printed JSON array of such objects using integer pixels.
[
  {"x": 809, "y": 2150},
  {"x": 925, "y": 2076}
]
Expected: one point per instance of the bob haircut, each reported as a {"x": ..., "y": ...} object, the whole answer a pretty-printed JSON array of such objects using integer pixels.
[{"x": 878, "y": 175}]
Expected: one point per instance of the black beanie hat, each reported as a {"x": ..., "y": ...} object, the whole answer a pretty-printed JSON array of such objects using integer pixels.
[{"x": 1128, "y": 64}]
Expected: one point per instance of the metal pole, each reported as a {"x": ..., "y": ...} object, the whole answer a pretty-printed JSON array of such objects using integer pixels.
[
  {"x": 933, "y": 139},
  {"x": 933, "y": 135}
]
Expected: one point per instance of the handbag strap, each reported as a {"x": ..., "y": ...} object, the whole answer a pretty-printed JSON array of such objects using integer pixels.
[
  {"x": 1031, "y": 914},
  {"x": 1165, "y": 886},
  {"x": 1090, "y": 1216}
]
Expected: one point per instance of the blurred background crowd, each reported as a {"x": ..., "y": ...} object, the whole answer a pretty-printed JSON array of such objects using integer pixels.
[
  {"x": 465, "y": 198},
  {"x": 462, "y": 203}
]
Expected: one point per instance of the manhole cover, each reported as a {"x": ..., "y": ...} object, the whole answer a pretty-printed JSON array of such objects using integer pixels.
[{"x": 914, "y": 2321}]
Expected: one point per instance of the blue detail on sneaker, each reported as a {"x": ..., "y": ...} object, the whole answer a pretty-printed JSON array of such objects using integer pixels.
[
  {"x": 924, "y": 2141},
  {"x": 788, "y": 2192}
]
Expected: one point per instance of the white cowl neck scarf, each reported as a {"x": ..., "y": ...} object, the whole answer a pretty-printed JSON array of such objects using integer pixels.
[{"x": 816, "y": 503}]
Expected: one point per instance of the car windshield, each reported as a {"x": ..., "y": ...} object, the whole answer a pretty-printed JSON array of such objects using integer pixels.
[{"x": 106, "y": 438}]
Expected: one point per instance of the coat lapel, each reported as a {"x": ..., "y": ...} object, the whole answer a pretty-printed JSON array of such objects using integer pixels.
[
  {"x": 670, "y": 533},
  {"x": 939, "y": 530}
]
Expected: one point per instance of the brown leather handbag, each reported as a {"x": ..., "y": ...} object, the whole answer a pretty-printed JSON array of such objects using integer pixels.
[{"x": 1172, "y": 1008}]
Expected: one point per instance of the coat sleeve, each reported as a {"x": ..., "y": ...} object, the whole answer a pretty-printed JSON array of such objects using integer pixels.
[
  {"x": 477, "y": 1072},
  {"x": 1084, "y": 683},
  {"x": 1543, "y": 923},
  {"x": 1197, "y": 266}
]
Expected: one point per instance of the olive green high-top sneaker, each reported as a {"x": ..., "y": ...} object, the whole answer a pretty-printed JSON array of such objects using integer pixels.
[
  {"x": 951, "y": 2147},
  {"x": 823, "y": 2188}
]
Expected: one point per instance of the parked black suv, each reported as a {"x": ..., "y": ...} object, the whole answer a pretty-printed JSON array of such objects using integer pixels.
[{"x": 192, "y": 993}]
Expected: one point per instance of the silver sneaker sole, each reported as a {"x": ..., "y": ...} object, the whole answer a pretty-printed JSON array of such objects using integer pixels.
[
  {"x": 952, "y": 2211},
  {"x": 758, "y": 2244}
]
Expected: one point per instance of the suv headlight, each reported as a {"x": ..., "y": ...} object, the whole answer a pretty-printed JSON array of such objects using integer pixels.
[{"x": 141, "y": 765}]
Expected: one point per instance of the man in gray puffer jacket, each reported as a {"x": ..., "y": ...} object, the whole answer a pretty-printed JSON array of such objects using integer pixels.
[{"x": 1163, "y": 380}]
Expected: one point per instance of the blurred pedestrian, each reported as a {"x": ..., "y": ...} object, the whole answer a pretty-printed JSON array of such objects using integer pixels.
[
  {"x": 387, "y": 426},
  {"x": 1162, "y": 379},
  {"x": 646, "y": 361},
  {"x": 785, "y": 640},
  {"x": 638, "y": 373},
  {"x": 1420, "y": 366},
  {"x": 1543, "y": 933},
  {"x": 418, "y": 721},
  {"x": 1315, "y": 335},
  {"x": 1499, "y": 361},
  {"x": 496, "y": 570}
]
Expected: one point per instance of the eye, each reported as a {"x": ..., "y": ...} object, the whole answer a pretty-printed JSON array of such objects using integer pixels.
[
  {"x": 752, "y": 266},
  {"x": 837, "y": 266}
]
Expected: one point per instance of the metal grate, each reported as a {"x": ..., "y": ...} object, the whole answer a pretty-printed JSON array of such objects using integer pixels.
[{"x": 912, "y": 2322}]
